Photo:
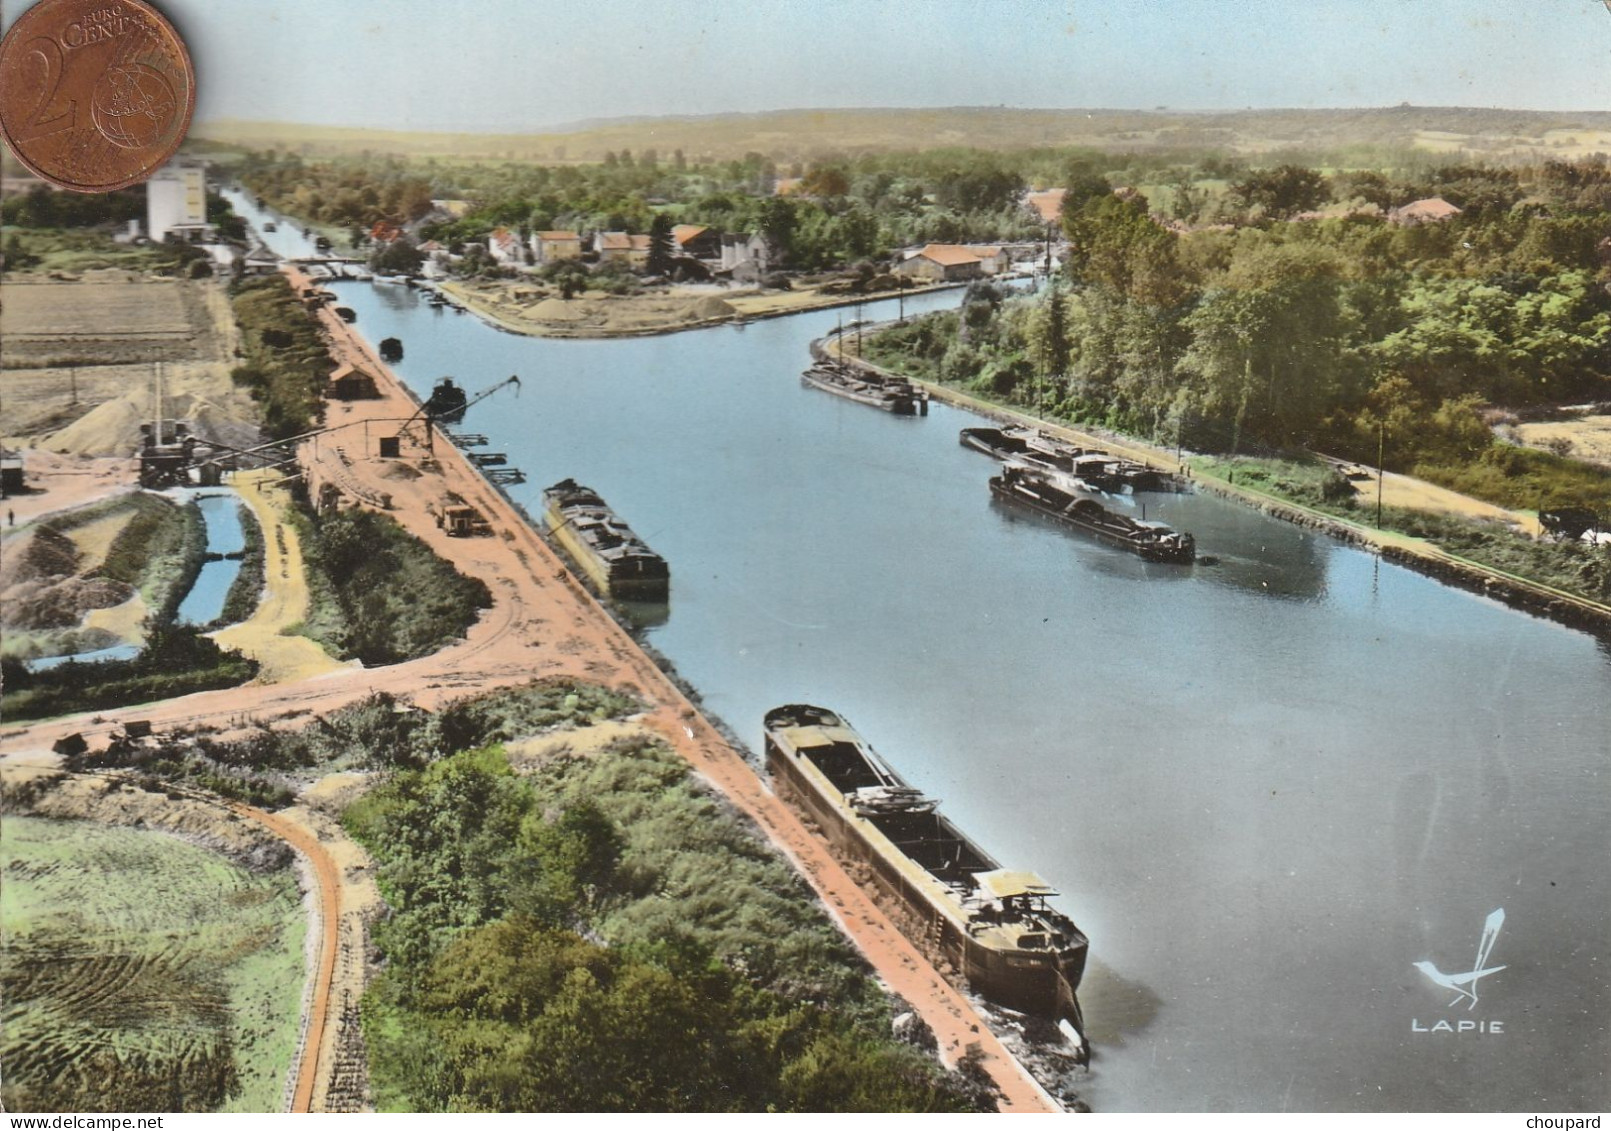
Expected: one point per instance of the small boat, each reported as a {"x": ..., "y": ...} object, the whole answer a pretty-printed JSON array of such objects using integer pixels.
[
  {"x": 1058, "y": 501},
  {"x": 447, "y": 402},
  {"x": 891, "y": 394},
  {"x": 602, "y": 546},
  {"x": 391, "y": 349},
  {"x": 991, "y": 925},
  {"x": 270, "y": 226}
]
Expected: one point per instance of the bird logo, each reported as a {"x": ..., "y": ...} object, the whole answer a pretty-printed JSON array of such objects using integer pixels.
[{"x": 1465, "y": 985}]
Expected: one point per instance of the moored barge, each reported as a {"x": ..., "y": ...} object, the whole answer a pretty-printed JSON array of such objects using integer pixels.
[
  {"x": 1097, "y": 470},
  {"x": 891, "y": 394},
  {"x": 986, "y": 923},
  {"x": 1152, "y": 541},
  {"x": 603, "y": 547}
]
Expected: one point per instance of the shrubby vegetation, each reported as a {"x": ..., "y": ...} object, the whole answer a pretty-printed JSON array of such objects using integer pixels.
[
  {"x": 287, "y": 362},
  {"x": 378, "y": 733},
  {"x": 175, "y": 660},
  {"x": 605, "y": 936},
  {"x": 380, "y": 594}
]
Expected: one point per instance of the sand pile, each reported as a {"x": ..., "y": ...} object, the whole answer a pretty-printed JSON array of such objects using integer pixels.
[
  {"x": 42, "y": 554},
  {"x": 39, "y": 586},
  {"x": 710, "y": 307},
  {"x": 34, "y": 606},
  {"x": 112, "y": 428},
  {"x": 557, "y": 310}
]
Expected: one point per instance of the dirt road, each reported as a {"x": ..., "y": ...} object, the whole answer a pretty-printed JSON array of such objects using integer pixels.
[{"x": 327, "y": 883}]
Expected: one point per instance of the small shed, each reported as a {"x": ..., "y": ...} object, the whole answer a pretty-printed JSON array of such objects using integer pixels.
[
  {"x": 11, "y": 482},
  {"x": 349, "y": 383}
]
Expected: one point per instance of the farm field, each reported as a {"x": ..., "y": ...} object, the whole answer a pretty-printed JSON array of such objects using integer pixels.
[
  {"x": 81, "y": 357},
  {"x": 142, "y": 972}
]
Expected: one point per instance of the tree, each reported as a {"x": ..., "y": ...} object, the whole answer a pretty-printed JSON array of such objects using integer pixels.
[
  {"x": 1113, "y": 242},
  {"x": 826, "y": 180},
  {"x": 1049, "y": 338},
  {"x": 778, "y": 222},
  {"x": 400, "y": 257},
  {"x": 1283, "y": 192},
  {"x": 660, "y": 246}
]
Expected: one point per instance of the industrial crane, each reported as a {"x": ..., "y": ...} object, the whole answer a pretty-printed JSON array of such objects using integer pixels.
[{"x": 426, "y": 416}]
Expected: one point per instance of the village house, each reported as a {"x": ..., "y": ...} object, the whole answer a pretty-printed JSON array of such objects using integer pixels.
[
  {"x": 620, "y": 247},
  {"x": 504, "y": 246},
  {"x": 1432, "y": 210},
  {"x": 948, "y": 262},
  {"x": 553, "y": 246},
  {"x": 745, "y": 255},
  {"x": 260, "y": 261},
  {"x": 697, "y": 241}
]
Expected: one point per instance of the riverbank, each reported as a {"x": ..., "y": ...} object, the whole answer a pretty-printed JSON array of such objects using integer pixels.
[
  {"x": 1398, "y": 491},
  {"x": 523, "y": 307}
]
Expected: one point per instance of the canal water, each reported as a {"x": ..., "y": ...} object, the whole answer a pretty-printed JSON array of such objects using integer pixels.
[
  {"x": 1266, "y": 788},
  {"x": 221, "y": 511}
]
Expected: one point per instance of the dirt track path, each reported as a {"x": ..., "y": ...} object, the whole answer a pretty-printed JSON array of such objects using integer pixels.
[
  {"x": 327, "y": 882},
  {"x": 285, "y": 597}
]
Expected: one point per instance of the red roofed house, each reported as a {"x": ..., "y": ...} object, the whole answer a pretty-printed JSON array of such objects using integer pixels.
[
  {"x": 504, "y": 246},
  {"x": 697, "y": 240},
  {"x": 619, "y": 247},
  {"x": 1432, "y": 210},
  {"x": 613, "y": 247},
  {"x": 1047, "y": 205},
  {"x": 946, "y": 262},
  {"x": 552, "y": 246}
]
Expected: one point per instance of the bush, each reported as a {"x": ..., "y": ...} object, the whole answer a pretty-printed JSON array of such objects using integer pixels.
[{"x": 393, "y": 599}]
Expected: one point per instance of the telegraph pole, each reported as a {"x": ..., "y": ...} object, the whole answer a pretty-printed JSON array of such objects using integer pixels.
[{"x": 1381, "y": 447}]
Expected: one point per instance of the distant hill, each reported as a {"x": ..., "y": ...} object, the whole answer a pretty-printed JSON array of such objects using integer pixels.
[{"x": 800, "y": 135}]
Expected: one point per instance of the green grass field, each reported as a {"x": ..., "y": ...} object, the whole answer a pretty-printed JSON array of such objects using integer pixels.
[{"x": 141, "y": 972}]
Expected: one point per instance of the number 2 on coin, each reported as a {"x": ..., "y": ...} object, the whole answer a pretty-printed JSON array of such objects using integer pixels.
[{"x": 39, "y": 125}]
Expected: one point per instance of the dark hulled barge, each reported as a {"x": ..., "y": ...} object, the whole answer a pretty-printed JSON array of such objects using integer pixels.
[
  {"x": 1152, "y": 541},
  {"x": 602, "y": 546},
  {"x": 891, "y": 394},
  {"x": 957, "y": 904}
]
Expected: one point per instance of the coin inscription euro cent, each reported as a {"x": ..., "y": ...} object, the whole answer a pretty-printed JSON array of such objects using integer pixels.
[{"x": 95, "y": 95}]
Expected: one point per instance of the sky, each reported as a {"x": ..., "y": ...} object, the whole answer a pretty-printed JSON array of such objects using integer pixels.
[{"x": 526, "y": 65}]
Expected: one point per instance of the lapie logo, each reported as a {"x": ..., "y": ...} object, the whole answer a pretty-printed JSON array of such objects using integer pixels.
[{"x": 1464, "y": 985}]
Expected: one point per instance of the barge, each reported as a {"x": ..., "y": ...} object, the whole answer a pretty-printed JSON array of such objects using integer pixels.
[
  {"x": 1097, "y": 470},
  {"x": 1151, "y": 541},
  {"x": 891, "y": 394},
  {"x": 972, "y": 917},
  {"x": 602, "y": 546},
  {"x": 1021, "y": 444}
]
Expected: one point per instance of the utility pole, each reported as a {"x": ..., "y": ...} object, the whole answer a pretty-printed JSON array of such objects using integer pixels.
[{"x": 1381, "y": 447}]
